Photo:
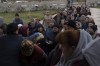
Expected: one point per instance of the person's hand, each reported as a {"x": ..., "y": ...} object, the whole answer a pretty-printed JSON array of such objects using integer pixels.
[{"x": 36, "y": 34}]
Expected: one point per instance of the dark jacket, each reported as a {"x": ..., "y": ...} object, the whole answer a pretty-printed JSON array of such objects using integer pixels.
[
  {"x": 18, "y": 21},
  {"x": 9, "y": 50},
  {"x": 80, "y": 63},
  {"x": 54, "y": 57},
  {"x": 84, "y": 26},
  {"x": 50, "y": 35},
  {"x": 33, "y": 29},
  {"x": 57, "y": 20}
]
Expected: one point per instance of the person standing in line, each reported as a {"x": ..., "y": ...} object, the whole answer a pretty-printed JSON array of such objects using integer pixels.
[
  {"x": 71, "y": 43},
  {"x": 31, "y": 54},
  {"x": 17, "y": 19},
  {"x": 10, "y": 46}
]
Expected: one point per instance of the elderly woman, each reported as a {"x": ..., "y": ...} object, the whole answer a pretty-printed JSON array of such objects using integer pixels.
[
  {"x": 71, "y": 43},
  {"x": 31, "y": 54},
  {"x": 24, "y": 31}
]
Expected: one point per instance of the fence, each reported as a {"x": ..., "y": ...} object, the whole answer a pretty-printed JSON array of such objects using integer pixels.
[{"x": 29, "y": 6}]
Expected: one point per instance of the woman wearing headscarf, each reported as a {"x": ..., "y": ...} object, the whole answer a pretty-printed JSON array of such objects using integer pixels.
[
  {"x": 24, "y": 30},
  {"x": 71, "y": 44},
  {"x": 92, "y": 30}
]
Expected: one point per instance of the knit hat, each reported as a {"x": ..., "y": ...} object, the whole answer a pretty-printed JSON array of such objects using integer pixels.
[
  {"x": 71, "y": 23},
  {"x": 94, "y": 27}
]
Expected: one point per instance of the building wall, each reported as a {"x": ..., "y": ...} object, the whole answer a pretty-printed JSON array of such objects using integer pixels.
[
  {"x": 92, "y": 1},
  {"x": 32, "y": 5}
]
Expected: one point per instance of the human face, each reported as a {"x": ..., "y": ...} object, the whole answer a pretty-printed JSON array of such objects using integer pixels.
[
  {"x": 58, "y": 14},
  {"x": 17, "y": 17},
  {"x": 64, "y": 13},
  {"x": 90, "y": 24},
  {"x": 16, "y": 32},
  {"x": 36, "y": 20},
  {"x": 55, "y": 29},
  {"x": 32, "y": 24},
  {"x": 82, "y": 18},
  {"x": 51, "y": 24},
  {"x": 47, "y": 13},
  {"x": 62, "y": 22},
  {"x": 86, "y": 19},
  {"x": 72, "y": 17},
  {"x": 40, "y": 29},
  {"x": 90, "y": 30},
  {"x": 78, "y": 25},
  {"x": 65, "y": 27}
]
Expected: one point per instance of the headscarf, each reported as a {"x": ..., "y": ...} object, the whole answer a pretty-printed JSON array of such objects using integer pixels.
[
  {"x": 92, "y": 52},
  {"x": 84, "y": 39},
  {"x": 23, "y": 30}
]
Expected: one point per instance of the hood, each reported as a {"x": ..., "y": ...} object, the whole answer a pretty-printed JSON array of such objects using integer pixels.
[
  {"x": 23, "y": 30},
  {"x": 92, "y": 52},
  {"x": 84, "y": 39}
]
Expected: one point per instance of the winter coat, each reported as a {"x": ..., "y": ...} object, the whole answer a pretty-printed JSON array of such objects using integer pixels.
[
  {"x": 77, "y": 55},
  {"x": 18, "y": 21},
  {"x": 9, "y": 50},
  {"x": 54, "y": 57}
]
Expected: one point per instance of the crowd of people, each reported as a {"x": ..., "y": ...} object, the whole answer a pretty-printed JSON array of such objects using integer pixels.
[{"x": 69, "y": 38}]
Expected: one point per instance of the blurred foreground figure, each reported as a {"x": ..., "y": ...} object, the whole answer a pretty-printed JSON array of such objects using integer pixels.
[
  {"x": 32, "y": 55},
  {"x": 71, "y": 43},
  {"x": 10, "y": 47},
  {"x": 92, "y": 53}
]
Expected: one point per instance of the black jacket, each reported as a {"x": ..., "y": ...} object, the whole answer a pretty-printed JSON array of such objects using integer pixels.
[{"x": 9, "y": 50}]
